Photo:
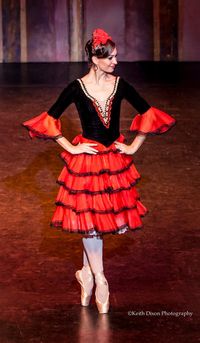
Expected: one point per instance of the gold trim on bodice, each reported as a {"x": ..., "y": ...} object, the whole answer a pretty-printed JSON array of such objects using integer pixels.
[{"x": 104, "y": 114}]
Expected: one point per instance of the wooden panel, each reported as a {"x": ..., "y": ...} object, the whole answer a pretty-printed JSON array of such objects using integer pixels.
[
  {"x": 47, "y": 30},
  {"x": 61, "y": 31},
  {"x": 11, "y": 30},
  {"x": 1, "y": 34},
  {"x": 76, "y": 22},
  {"x": 156, "y": 29},
  {"x": 40, "y": 30},
  {"x": 23, "y": 30},
  {"x": 52, "y": 30},
  {"x": 108, "y": 15},
  {"x": 168, "y": 29},
  {"x": 138, "y": 38},
  {"x": 191, "y": 30}
]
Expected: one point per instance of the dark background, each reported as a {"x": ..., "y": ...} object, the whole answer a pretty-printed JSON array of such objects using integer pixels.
[{"x": 53, "y": 31}]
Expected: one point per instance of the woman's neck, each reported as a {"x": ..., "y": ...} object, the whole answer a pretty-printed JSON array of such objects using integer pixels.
[{"x": 97, "y": 77}]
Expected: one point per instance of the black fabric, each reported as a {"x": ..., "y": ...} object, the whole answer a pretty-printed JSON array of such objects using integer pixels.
[
  {"x": 108, "y": 190},
  {"x": 92, "y": 126}
]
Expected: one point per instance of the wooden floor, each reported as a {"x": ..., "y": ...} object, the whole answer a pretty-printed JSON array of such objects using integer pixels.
[{"x": 153, "y": 273}]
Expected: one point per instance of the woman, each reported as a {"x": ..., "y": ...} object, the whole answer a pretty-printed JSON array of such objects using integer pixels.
[{"x": 97, "y": 192}]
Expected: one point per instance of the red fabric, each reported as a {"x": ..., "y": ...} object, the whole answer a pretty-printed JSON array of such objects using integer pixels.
[
  {"x": 152, "y": 121},
  {"x": 98, "y": 192},
  {"x": 43, "y": 126},
  {"x": 99, "y": 36}
]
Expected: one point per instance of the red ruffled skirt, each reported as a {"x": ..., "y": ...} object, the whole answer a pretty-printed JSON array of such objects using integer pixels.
[{"x": 97, "y": 193}]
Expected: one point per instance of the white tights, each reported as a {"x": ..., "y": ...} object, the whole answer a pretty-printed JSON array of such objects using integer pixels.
[
  {"x": 93, "y": 253},
  {"x": 93, "y": 257}
]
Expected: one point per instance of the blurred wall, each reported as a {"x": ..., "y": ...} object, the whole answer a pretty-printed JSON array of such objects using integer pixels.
[
  {"x": 57, "y": 30},
  {"x": 190, "y": 26}
]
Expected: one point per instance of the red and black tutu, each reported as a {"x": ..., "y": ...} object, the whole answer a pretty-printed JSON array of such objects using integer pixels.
[{"x": 97, "y": 193}]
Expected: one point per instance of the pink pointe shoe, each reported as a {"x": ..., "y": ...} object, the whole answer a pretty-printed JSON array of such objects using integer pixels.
[
  {"x": 85, "y": 297},
  {"x": 101, "y": 280}
]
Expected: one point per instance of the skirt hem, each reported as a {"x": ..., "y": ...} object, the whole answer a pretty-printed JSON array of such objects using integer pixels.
[{"x": 94, "y": 232}]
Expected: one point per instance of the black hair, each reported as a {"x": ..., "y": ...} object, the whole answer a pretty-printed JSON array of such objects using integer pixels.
[{"x": 101, "y": 51}]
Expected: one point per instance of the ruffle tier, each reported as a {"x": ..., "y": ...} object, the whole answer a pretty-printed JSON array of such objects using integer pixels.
[
  {"x": 97, "y": 193},
  {"x": 152, "y": 121},
  {"x": 44, "y": 126}
]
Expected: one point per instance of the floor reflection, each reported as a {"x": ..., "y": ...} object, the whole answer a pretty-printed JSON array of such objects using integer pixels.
[{"x": 95, "y": 327}]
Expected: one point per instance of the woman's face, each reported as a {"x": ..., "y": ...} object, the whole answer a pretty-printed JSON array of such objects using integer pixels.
[{"x": 107, "y": 64}]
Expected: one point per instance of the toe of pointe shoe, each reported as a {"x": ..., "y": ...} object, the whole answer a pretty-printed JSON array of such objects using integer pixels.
[
  {"x": 103, "y": 307},
  {"x": 85, "y": 298}
]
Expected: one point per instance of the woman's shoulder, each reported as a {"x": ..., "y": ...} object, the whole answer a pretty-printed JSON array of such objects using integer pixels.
[
  {"x": 123, "y": 83},
  {"x": 71, "y": 85},
  {"x": 124, "y": 80},
  {"x": 126, "y": 84}
]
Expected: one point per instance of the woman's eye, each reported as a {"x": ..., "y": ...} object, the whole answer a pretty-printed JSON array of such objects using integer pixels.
[{"x": 110, "y": 57}]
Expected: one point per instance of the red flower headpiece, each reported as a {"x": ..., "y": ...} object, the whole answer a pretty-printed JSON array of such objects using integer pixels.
[{"x": 99, "y": 36}]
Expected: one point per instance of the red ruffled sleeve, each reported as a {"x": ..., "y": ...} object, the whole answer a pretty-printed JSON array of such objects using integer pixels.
[
  {"x": 152, "y": 121},
  {"x": 44, "y": 126}
]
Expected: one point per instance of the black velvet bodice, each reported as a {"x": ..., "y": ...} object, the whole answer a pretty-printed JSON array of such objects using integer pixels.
[{"x": 92, "y": 125}]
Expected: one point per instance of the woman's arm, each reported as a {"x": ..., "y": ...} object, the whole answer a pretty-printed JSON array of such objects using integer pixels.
[
  {"x": 76, "y": 149},
  {"x": 149, "y": 120},
  {"x": 141, "y": 105},
  {"x": 133, "y": 147},
  {"x": 47, "y": 124}
]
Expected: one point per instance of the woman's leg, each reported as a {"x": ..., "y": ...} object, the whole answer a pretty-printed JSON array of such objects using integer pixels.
[
  {"x": 86, "y": 274},
  {"x": 93, "y": 248},
  {"x": 85, "y": 259},
  {"x": 94, "y": 252}
]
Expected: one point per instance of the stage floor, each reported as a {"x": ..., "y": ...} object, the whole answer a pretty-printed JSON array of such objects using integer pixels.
[{"x": 153, "y": 273}]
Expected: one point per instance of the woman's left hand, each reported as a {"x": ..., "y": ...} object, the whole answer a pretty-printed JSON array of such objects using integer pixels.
[
  {"x": 135, "y": 145},
  {"x": 125, "y": 149}
]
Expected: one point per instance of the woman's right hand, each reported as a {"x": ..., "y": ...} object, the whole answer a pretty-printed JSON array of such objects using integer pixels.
[{"x": 80, "y": 148}]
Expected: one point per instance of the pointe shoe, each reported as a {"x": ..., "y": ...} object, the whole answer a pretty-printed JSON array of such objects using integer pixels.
[
  {"x": 85, "y": 297},
  {"x": 101, "y": 280}
]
